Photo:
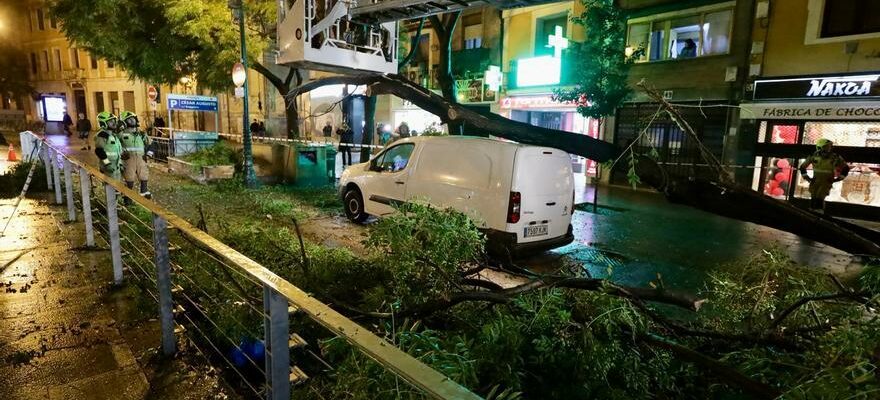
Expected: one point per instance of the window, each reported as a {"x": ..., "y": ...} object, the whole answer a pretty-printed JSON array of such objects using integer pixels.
[
  {"x": 394, "y": 159},
  {"x": 850, "y": 17},
  {"x": 58, "y": 59},
  {"x": 679, "y": 35},
  {"x": 94, "y": 61},
  {"x": 30, "y": 21},
  {"x": 110, "y": 65},
  {"x": 40, "y": 23},
  {"x": 544, "y": 28},
  {"x": 473, "y": 36},
  {"x": 74, "y": 57},
  {"x": 34, "y": 63},
  {"x": 46, "y": 60},
  {"x": 99, "y": 102},
  {"x": 52, "y": 22}
]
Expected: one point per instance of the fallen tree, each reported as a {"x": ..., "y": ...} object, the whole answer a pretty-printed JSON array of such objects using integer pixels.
[{"x": 719, "y": 195}]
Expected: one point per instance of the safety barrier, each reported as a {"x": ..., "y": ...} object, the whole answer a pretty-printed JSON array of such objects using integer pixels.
[{"x": 200, "y": 283}]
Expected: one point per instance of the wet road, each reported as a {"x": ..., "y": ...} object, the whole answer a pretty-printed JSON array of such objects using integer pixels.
[{"x": 642, "y": 234}]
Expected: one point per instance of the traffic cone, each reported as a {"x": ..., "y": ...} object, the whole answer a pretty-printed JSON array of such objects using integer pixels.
[{"x": 11, "y": 156}]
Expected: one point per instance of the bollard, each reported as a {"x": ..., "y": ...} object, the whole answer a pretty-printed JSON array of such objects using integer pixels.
[
  {"x": 47, "y": 164},
  {"x": 56, "y": 174},
  {"x": 86, "y": 190},
  {"x": 113, "y": 228},
  {"x": 163, "y": 283},
  {"x": 68, "y": 187},
  {"x": 277, "y": 341}
]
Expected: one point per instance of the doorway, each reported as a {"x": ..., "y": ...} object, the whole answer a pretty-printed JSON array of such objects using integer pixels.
[{"x": 79, "y": 103}]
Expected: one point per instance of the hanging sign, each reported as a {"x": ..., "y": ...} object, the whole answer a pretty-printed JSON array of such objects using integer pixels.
[{"x": 191, "y": 103}]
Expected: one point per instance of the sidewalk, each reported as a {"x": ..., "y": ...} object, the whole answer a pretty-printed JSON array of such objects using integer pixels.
[{"x": 57, "y": 339}]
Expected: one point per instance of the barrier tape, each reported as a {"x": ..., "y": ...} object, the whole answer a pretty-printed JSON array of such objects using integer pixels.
[{"x": 301, "y": 141}]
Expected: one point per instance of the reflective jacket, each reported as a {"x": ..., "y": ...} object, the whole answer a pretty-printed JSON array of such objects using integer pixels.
[
  {"x": 134, "y": 141},
  {"x": 108, "y": 147}
]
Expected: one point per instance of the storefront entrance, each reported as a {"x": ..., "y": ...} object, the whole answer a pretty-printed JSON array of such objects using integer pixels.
[{"x": 787, "y": 132}]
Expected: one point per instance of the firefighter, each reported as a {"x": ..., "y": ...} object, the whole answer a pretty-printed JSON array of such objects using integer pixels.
[
  {"x": 134, "y": 152},
  {"x": 828, "y": 168},
  {"x": 107, "y": 145}
]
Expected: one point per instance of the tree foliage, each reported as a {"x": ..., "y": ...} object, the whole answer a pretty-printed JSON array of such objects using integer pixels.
[
  {"x": 161, "y": 41},
  {"x": 13, "y": 72},
  {"x": 602, "y": 67}
]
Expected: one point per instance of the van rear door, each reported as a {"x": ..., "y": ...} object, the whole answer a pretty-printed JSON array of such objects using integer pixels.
[{"x": 542, "y": 177}]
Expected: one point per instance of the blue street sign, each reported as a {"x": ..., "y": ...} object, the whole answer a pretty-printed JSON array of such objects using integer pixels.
[{"x": 192, "y": 103}]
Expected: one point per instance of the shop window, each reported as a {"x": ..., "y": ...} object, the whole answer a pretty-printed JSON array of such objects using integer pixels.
[
  {"x": 850, "y": 17},
  {"x": 546, "y": 27},
  {"x": 857, "y": 134},
  {"x": 784, "y": 134},
  {"x": 684, "y": 35},
  {"x": 860, "y": 187},
  {"x": 778, "y": 176}
]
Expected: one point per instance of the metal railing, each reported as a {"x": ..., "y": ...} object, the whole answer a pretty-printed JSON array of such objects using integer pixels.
[{"x": 200, "y": 283}]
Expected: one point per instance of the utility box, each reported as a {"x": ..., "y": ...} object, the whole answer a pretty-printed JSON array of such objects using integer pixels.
[{"x": 312, "y": 165}]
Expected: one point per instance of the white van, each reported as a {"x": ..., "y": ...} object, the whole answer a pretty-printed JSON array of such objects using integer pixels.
[{"x": 521, "y": 196}]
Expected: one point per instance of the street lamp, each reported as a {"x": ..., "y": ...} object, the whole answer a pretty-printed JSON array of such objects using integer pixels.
[{"x": 240, "y": 75}]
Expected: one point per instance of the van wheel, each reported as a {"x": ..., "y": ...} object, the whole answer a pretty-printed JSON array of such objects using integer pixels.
[{"x": 354, "y": 206}]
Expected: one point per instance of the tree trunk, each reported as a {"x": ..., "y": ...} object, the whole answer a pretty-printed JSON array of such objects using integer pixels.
[
  {"x": 369, "y": 126},
  {"x": 720, "y": 197},
  {"x": 444, "y": 26},
  {"x": 291, "y": 109}
]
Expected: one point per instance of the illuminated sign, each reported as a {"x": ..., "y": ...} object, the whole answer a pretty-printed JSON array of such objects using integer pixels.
[
  {"x": 492, "y": 76},
  {"x": 544, "y": 70},
  {"x": 538, "y": 71},
  {"x": 543, "y": 101},
  {"x": 822, "y": 87},
  {"x": 191, "y": 103}
]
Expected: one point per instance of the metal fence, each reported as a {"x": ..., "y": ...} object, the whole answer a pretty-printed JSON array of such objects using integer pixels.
[{"x": 200, "y": 284}]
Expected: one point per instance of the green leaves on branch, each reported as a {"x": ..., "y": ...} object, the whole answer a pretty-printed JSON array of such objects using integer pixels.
[
  {"x": 602, "y": 66},
  {"x": 160, "y": 41}
]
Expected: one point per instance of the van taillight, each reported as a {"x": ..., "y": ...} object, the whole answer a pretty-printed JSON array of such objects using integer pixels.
[{"x": 513, "y": 207}]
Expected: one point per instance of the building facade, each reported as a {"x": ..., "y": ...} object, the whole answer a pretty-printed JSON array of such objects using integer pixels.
[{"x": 815, "y": 69}]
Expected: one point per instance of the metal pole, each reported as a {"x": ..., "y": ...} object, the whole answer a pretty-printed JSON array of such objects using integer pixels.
[
  {"x": 163, "y": 283},
  {"x": 68, "y": 186},
  {"x": 250, "y": 177},
  {"x": 276, "y": 329},
  {"x": 48, "y": 164},
  {"x": 56, "y": 175},
  {"x": 596, "y": 189},
  {"x": 86, "y": 190},
  {"x": 113, "y": 227}
]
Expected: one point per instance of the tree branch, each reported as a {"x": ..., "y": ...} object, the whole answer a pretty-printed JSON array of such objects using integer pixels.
[
  {"x": 414, "y": 46},
  {"x": 273, "y": 79}
]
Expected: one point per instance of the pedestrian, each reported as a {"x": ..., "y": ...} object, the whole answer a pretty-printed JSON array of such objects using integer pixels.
[
  {"x": 828, "y": 168},
  {"x": 689, "y": 50},
  {"x": 255, "y": 127},
  {"x": 262, "y": 128},
  {"x": 67, "y": 122},
  {"x": 158, "y": 124},
  {"x": 328, "y": 129},
  {"x": 107, "y": 145},
  {"x": 403, "y": 130},
  {"x": 135, "y": 152},
  {"x": 346, "y": 137},
  {"x": 83, "y": 127}
]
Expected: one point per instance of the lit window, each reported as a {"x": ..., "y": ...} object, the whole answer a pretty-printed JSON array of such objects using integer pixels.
[{"x": 679, "y": 37}]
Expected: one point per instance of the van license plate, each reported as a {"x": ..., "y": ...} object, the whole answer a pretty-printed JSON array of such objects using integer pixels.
[{"x": 535, "y": 230}]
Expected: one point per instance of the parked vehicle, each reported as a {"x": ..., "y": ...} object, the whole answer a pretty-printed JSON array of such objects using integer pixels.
[{"x": 521, "y": 196}]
